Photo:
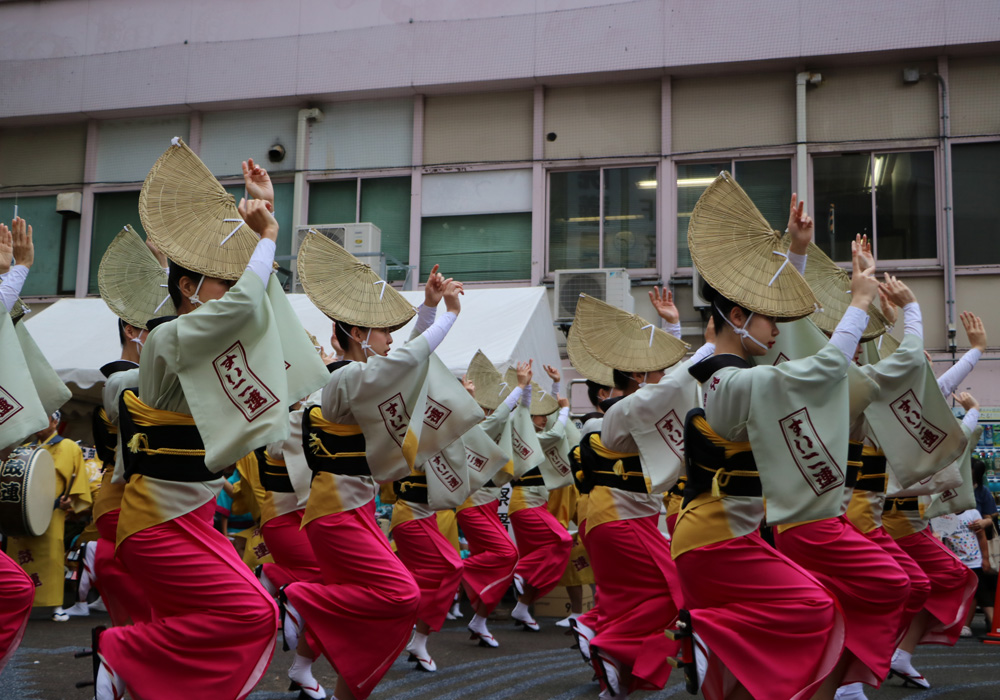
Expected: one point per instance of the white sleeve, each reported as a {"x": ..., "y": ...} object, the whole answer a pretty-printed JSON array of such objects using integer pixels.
[
  {"x": 971, "y": 418},
  {"x": 957, "y": 373},
  {"x": 425, "y": 317},
  {"x": 564, "y": 414},
  {"x": 13, "y": 283},
  {"x": 912, "y": 320},
  {"x": 555, "y": 389},
  {"x": 673, "y": 329},
  {"x": 526, "y": 397},
  {"x": 798, "y": 262},
  {"x": 512, "y": 398},
  {"x": 262, "y": 259},
  {"x": 436, "y": 333},
  {"x": 701, "y": 353},
  {"x": 848, "y": 333}
]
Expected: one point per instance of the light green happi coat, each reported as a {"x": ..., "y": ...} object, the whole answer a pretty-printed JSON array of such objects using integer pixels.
[
  {"x": 557, "y": 440},
  {"x": 911, "y": 419},
  {"x": 21, "y": 411},
  {"x": 505, "y": 443},
  {"x": 52, "y": 391},
  {"x": 483, "y": 457},
  {"x": 526, "y": 451},
  {"x": 305, "y": 371},
  {"x": 225, "y": 365},
  {"x": 654, "y": 416},
  {"x": 960, "y": 497}
]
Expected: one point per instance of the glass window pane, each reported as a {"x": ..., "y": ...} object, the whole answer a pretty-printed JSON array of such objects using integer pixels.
[
  {"x": 385, "y": 202},
  {"x": 630, "y": 217},
  {"x": 692, "y": 179},
  {"x": 843, "y": 207},
  {"x": 112, "y": 210},
  {"x": 976, "y": 190},
  {"x": 574, "y": 220},
  {"x": 46, "y": 230},
  {"x": 768, "y": 183},
  {"x": 905, "y": 222},
  {"x": 334, "y": 202},
  {"x": 487, "y": 247}
]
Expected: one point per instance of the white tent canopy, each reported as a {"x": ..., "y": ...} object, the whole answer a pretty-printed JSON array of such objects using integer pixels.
[{"x": 79, "y": 336}]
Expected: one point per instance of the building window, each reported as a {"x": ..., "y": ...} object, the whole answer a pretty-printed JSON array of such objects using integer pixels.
[
  {"x": 767, "y": 182},
  {"x": 477, "y": 247},
  {"x": 603, "y": 218},
  {"x": 383, "y": 201},
  {"x": 888, "y": 196},
  {"x": 976, "y": 195},
  {"x": 56, "y": 238}
]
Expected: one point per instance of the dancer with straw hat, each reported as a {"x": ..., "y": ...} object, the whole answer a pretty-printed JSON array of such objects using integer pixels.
[
  {"x": 631, "y": 462},
  {"x": 21, "y": 413},
  {"x": 213, "y": 384},
  {"x": 490, "y": 568},
  {"x": 779, "y": 432},
  {"x": 869, "y": 585},
  {"x": 132, "y": 281},
  {"x": 363, "y": 612},
  {"x": 543, "y": 544}
]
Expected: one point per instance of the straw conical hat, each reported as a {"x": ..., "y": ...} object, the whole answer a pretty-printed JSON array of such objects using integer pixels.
[
  {"x": 734, "y": 249},
  {"x": 191, "y": 218},
  {"x": 887, "y": 345},
  {"x": 542, "y": 402},
  {"x": 584, "y": 363},
  {"x": 131, "y": 281},
  {"x": 346, "y": 289},
  {"x": 491, "y": 389},
  {"x": 18, "y": 310},
  {"x": 832, "y": 286},
  {"x": 624, "y": 341}
]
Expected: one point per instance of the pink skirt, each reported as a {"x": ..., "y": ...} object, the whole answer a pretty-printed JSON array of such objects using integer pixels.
[
  {"x": 640, "y": 596},
  {"x": 124, "y": 598},
  {"x": 920, "y": 584},
  {"x": 214, "y": 626},
  {"x": 17, "y": 591},
  {"x": 591, "y": 618},
  {"x": 435, "y": 565},
  {"x": 768, "y": 624},
  {"x": 362, "y": 614},
  {"x": 543, "y": 545},
  {"x": 294, "y": 559},
  {"x": 870, "y": 586},
  {"x": 490, "y": 569},
  {"x": 953, "y": 586}
]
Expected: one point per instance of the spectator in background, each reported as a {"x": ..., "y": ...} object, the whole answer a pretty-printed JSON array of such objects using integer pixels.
[
  {"x": 985, "y": 503},
  {"x": 956, "y": 531}
]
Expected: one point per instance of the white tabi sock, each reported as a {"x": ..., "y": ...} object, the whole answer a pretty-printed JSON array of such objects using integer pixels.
[
  {"x": 520, "y": 611},
  {"x": 418, "y": 646},
  {"x": 478, "y": 624}
]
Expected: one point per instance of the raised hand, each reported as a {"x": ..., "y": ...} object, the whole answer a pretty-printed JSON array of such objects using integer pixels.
[
  {"x": 469, "y": 386},
  {"x": 452, "y": 291},
  {"x": 434, "y": 290},
  {"x": 975, "y": 329},
  {"x": 552, "y": 372},
  {"x": 800, "y": 226},
  {"x": 966, "y": 400},
  {"x": 864, "y": 286},
  {"x": 524, "y": 373},
  {"x": 897, "y": 292},
  {"x": 24, "y": 246},
  {"x": 6, "y": 249},
  {"x": 663, "y": 302},
  {"x": 888, "y": 308},
  {"x": 258, "y": 182},
  {"x": 258, "y": 217},
  {"x": 865, "y": 251}
]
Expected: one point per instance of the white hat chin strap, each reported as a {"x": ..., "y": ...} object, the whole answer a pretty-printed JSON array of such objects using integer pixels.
[
  {"x": 195, "y": 301},
  {"x": 365, "y": 347},
  {"x": 138, "y": 341},
  {"x": 645, "y": 376},
  {"x": 743, "y": 333}
]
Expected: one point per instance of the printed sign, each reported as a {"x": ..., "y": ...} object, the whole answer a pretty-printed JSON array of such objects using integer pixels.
[
  {"x": 396, "y": 417},
  {"x": 435, "y": 415},
  {"x": 439, "y": 463},
  {"x": 9, "y": 407},
  {"x": 474, "y": 460},
  {"x": 909, "y": 412},
  {"x": 557, "y": 460},
  {"x": 809, "y": 452},
  {"x": 244, "y": 388},
  {"x": 519, "y": 446},
  {"x": 671, "y": 429}
]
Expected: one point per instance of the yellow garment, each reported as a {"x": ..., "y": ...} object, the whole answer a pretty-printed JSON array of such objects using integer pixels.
[
  {"x": 562, "y": 504},
  {"x": 448, "y": 525},
  {"x": 900, "y": 523},
  {"x": 405, "y": 511},
  {"x": 43, "y": 558},
  {"x": 578, "y": 571},
  {"x": 336, "y": 493},
  {"x": 865, "y": 507},
  {"x": 248, "y": 492},
  {"x": 607, "y": 505},
  {"x": 109, "y": 495},
  {"x": 522, "y": 497}
]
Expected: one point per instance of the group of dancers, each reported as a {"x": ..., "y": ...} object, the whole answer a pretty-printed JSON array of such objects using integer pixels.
[{"x": 796, "y": 454}]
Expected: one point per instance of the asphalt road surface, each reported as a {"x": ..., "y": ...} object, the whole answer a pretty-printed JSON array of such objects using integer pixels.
[{"x": 527, "y": 665}]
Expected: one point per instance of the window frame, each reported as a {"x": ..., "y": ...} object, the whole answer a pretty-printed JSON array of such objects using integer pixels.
[
  {"x": 984, "y": 269},
  {"x": 732, "y": 156},
  {"x": 601, "y": 165},
  {"x": 872, "y": 148}
]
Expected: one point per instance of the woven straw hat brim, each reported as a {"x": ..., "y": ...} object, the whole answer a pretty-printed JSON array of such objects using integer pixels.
[
  {"x": 624, "y": 341},
  {"x": 131, "y": 281},
  {"x": 346, "y": 289},
  {"x": 192, "y": 218},
  {"x": 734, "y": 249},
  {"x": 18, "y": 310},
  {"x": 584, "y": 363},
  {"x": 832, "y": 287},
  {"x": 490, "y": 389},
  {"x": 542, "y": 402},
  {"x": 887, "y": 345}
]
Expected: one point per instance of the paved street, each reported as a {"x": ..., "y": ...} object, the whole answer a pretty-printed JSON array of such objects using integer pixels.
[{"x": 532, "y": 666}]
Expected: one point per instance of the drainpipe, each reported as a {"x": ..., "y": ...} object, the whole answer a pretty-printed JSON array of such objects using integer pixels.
[
  {"x": 299, "y": 212},
  {"x": 801, "y": 162},
  {"x": 949, "y": 214}
]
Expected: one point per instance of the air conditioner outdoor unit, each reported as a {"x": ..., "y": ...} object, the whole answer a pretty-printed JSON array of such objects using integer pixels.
[
  {"x": 699, "y": 300},
  {"x": 610, "y": 285},
  {"x": 362, "y": 240}
]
